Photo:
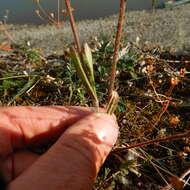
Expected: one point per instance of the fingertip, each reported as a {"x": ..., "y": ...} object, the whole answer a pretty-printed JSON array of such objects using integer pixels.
[
  {"x": 99, "y": 130},
  {"x": 106, "y": 127}
]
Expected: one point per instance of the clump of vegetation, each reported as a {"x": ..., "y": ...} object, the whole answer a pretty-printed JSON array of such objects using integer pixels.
[{"x": 82, "y": 59}]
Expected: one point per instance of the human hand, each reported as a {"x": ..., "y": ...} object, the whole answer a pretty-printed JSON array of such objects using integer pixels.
[{"x": 82, "y": 142}]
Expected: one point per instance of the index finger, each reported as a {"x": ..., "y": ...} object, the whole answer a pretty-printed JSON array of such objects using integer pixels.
[{"x": 23, "y": 126}]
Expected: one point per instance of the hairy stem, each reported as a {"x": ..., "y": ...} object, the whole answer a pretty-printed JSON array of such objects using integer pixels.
[
  {"x": 121, "y": 20},
  {"x": 73, "y": 25}
]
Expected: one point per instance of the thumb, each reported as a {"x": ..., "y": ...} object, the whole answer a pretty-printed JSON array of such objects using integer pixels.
[{"x": 75, "y": 159}]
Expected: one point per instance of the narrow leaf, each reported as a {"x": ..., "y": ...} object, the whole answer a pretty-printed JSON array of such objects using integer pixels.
[
  {"x": 30, "y": 83},
  {"x": 81, "y": 73},
  {"x": 87, "y": 63}
]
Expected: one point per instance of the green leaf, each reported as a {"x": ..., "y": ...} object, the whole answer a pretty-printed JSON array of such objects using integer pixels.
[
  {"x": 81, "y": 73},
  {"x": 29, "y": 84},
  {"x": 87, "y": 64},
  {"x": 12, "y": 84}
]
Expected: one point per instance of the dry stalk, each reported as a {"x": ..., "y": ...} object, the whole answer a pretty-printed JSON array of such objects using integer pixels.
[
  {"x": 3, "y": 26},
  {"x": 73, "y": 25},
  {"x": 171, "y": 138},
  {"x": 121, "y": 20},
  {"x": 156, "y": 119},
  {"x": 45, "y": 15},
  {"x": 165, "y": 103}
]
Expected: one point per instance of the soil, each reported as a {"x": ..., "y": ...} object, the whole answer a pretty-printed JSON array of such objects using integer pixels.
[{"x": 167, "y": 28}]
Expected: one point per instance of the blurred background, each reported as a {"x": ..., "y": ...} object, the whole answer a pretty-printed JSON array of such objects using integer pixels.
[{"x": 23, "y": 11}]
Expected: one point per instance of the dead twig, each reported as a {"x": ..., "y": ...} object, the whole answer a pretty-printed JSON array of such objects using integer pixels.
[{"x": 171, "y": 138}]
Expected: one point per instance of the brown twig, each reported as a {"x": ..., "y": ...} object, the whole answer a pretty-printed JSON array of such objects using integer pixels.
[
  {"x": 117, "y": 45},
  {"x": 45, "y": 15},
  {"x": 171, "y": 138},
  {"x": 73, "y": 25},
  {"x": 6, "y": 32}
]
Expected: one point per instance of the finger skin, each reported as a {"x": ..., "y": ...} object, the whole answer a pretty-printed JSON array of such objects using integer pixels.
[
  {"x": 24, "y": 126},
  {"x": 74, "y": 160}
]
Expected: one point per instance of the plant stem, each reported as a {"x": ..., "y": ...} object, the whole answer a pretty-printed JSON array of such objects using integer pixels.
[
  {"x": 117, "y": 45},
  {"x": 113, "y": 101},
  {"x": 174, "y": 137},
  {"x": 73, "y": 25}
]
